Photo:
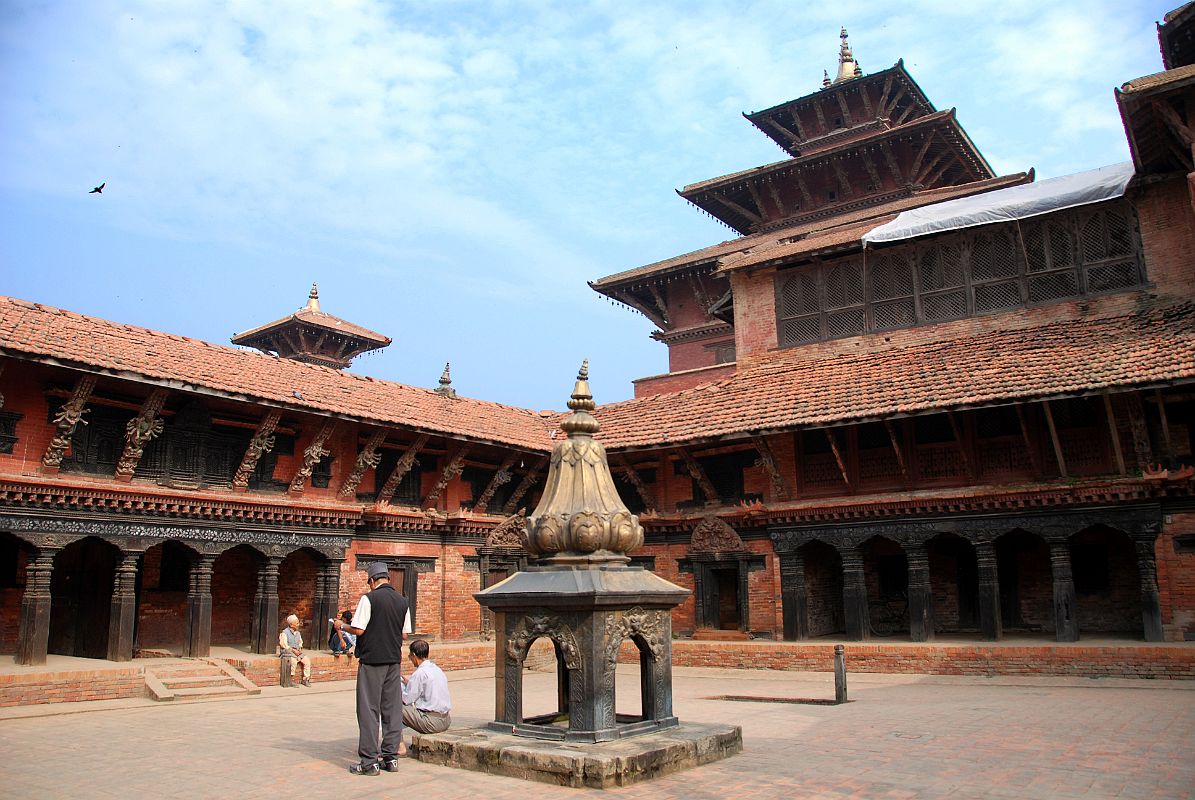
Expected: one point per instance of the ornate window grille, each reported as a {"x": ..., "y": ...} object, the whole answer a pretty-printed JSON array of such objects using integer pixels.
[{"x": 1068, "y": 254}]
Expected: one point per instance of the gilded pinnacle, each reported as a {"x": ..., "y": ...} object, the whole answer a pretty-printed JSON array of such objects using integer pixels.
[
  {"x": 313, "y": 298},
  {"x": 581, "y": 422}
]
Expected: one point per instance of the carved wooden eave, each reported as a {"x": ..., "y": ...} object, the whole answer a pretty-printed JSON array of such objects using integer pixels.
[
  {"x": 509, "y": 534},
  {"x": 1054, "y": 495},
  {"x": 90, "y": 499},
  {"x": 1160, "y": 139},
  {"x": 713, "y": 535}
]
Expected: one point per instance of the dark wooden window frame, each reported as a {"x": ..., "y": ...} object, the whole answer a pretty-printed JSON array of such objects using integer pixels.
[{"x": 1087, "y": 251}]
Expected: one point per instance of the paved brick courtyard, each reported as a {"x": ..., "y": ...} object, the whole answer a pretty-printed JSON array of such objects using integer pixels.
[{"x": 901, "y": 736}]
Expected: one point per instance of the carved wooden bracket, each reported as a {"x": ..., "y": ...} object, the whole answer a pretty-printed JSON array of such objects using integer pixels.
[
  {"x": 312, "y": 455},
  {"x": 140, "y": 431},
  {"x": 632, "y": 477},
  {"x": 401, "y": 469},
  {"x": 368, "y": 458},
  {"x": 524, "y": 485},
  {"x": 66, "y": 420},
  {"x": 501, "y": 477},
  {"x": 697, "y": 473},
  {"x": 451, "y": 470},
  {"x": 261, "y": 443},
  {"x": 767, "y": 460}
]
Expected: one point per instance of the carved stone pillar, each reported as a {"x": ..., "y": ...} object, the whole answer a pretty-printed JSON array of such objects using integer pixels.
[
  {"x": 794, "y": 598},
  {"x": 265, "y": 606},
  {"x": 854, "y": 595},
  {"x": 991, "y": 627},
  {"x": 1066, "y": 628},
  {"x": 34, "y": 634},
  {"x": 1147, "y": 573},
  {"x": 124, "y": 609},
  {"x": 198, "y": 643},
  {"x": 921, "y": 604}
]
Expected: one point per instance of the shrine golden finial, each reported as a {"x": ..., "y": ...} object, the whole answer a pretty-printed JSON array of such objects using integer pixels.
[
  {"x": 313, "y": 298},
  {"x": 445, "y": 388},
  {"x": 848, "y": 67}
]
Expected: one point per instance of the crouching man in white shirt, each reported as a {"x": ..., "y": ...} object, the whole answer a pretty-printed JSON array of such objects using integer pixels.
[{"x": 425, "y": 700}]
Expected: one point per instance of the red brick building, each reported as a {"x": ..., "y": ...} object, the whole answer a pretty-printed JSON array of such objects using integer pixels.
[{"x": 963, "y": 431}]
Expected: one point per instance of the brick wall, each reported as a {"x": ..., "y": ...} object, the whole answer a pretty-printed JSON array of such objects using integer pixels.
[
  {"x": 676, "y": 381},
  {"x": 1078, "y": 660},
  {"x": 296, "y": 594},
  {"x": 754, "y": 312},
  {"x": 1176, "y": 577},
  {"x": 161, "y": 619},
  {"x": 234, "y": 582},
  {"x": 70, "y": 686},
  {"x": 1167, "y": 237},
  {"x": 23, "y": 393}
]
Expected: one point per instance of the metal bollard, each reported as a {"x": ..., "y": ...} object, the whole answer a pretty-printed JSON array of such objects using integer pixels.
[
  {"x": 286, "y": 670},
  {"x": 839, "y": 674}
]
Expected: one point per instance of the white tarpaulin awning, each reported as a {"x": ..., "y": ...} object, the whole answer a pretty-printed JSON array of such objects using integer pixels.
[{"x": 1006, "y": 205}]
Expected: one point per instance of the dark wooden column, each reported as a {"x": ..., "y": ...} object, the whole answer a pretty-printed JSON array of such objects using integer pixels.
[
  {"x": 34, "y": 634},
  {"x": 199, "y": 608},
  {"x": 991, "y": 627},
  {"x": 794, "y": 597},
  {"x": 921, "y": 606},
  {"x": 1147, "y": 573},
  {"x": 327, "y": 602},
  {"x": 1066, "y": 628},
  {"x": 744, "y": 596},
  {"x": 854, "y": 595},
  {"x": 124, "y": 609},
  {"x": 265, "y": 607}
]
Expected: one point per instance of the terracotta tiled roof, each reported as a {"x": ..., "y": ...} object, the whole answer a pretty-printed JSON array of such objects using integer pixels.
[
  {"x": 43, "y": 332},
  {"x": 758, "y": 247},
  {"x": 797, "y": 387}
]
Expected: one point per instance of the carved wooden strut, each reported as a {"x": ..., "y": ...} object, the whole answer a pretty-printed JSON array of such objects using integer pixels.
[
  {"x": 261, "y": 443},
  {"x": 140, "y": 431},
  {"x": 312, "y": 455},
  {"x": 66, "y": 420},
  {"x": 401, "y": 469},
  {"x": 368, "y": 458}
]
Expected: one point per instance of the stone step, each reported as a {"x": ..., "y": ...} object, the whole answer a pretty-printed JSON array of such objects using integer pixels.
[
  {"x": 192, "y": 681},
  {"x": 209, "y": 691}
]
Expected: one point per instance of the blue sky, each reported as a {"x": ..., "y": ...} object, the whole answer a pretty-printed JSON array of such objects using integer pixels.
[{"x": 452, "y": 173}]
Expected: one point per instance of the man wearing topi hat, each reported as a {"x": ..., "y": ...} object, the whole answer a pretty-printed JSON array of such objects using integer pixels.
[{"x": 380, "y": 620}]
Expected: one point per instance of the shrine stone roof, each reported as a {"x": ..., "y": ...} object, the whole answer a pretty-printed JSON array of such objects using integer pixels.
[
  {"x": 47, "y": 334},
  {"x": 898, "y": 374}
]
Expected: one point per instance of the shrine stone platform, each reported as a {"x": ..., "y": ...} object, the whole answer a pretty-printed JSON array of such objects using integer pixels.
[{"x": 599, "y": 765}]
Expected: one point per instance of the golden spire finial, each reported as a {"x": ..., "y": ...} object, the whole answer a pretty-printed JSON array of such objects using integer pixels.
[
  {"x": 825, "y": 79},
  {"x": 581, "y": 421},
  {"x": 848, "y": 68},
  {"x": 313, "y": 298}
]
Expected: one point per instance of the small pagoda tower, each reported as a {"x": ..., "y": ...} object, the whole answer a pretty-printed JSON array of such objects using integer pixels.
[
  {"x": 582, "y": 595},
  {"x": 313, "y": 336}
]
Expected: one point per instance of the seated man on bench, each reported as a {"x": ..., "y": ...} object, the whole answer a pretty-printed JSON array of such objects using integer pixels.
[{"x": 290, "y": 642}]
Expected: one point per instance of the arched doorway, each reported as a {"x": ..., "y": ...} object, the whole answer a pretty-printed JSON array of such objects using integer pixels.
[
  {"x": 886, "y": 571},
  {"x": 234, "y": 584},
  {"x": 1107, "y": 586},
  {"x": 81, "y": 598},
  {"x": 1026, "y": 583},
  {"x": 162, "y": 583},
  {"x": 14, "y": 555},
  {"x": 954, "y": 584},
  {"x": 823, "y": 586}
]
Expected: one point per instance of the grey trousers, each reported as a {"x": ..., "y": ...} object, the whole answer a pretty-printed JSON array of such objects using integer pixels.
[
  {"x": 425, "y": 721},
  {"x": 379, "y": 710}
]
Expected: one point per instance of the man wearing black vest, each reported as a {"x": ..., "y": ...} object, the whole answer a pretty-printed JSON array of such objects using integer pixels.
[{"x": 379, "y": 623}]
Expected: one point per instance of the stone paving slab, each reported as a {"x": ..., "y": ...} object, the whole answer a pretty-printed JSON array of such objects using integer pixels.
[{"x": 899, "y": 737}]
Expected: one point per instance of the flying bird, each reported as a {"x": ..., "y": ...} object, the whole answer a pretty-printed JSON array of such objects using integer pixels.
[{"x": 99, "y": 189}]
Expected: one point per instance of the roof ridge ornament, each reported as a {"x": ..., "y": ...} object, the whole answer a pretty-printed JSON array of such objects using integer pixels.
[
  {"x": 313, "y": 298},
  {"x": 445, "y": 388}
]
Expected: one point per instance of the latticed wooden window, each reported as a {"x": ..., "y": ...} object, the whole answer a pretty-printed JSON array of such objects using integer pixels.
[{"x": 994, "y": 268}]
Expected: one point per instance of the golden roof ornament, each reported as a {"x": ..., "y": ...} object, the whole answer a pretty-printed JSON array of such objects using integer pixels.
[
  {"x": 445, "y": 388},
  {"x": 581, "y": 520},
  {"x": 848, "y": 68},
  {"x": 313, "y": 298},
  {"x": 826, "y": 80}
]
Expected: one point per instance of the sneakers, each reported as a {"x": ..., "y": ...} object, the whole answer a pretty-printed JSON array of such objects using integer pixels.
[
  {"x": 366, "y": 769},
  {"x": 390, "y": 764}
]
